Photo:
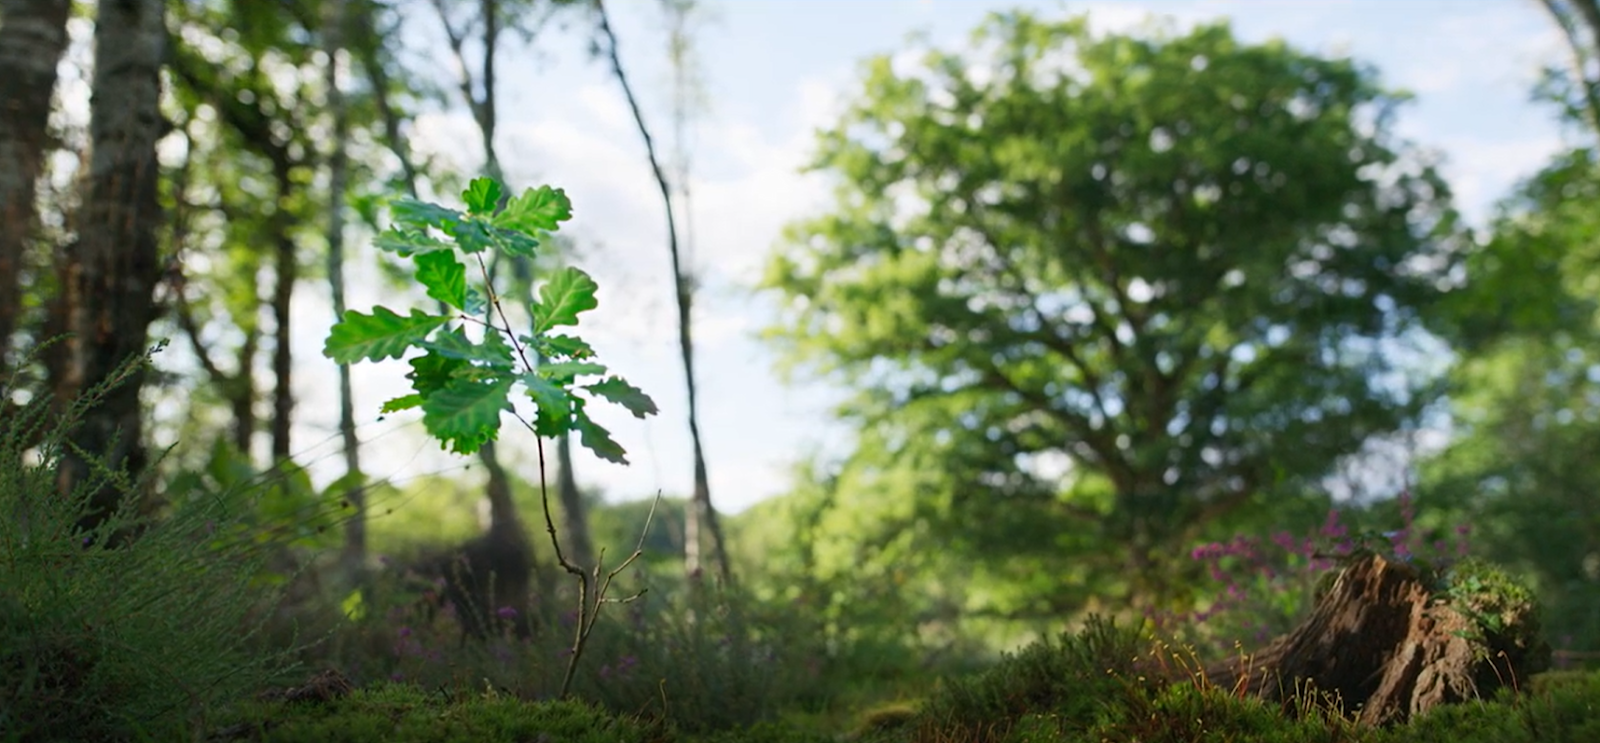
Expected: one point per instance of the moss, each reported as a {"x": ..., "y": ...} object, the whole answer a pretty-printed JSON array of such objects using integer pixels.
[
  {"x": 1503, "y": 610},
  {"x": 395, "y": 713}
]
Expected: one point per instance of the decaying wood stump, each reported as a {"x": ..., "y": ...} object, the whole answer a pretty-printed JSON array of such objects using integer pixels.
[{"x": 1388, "y": 642}]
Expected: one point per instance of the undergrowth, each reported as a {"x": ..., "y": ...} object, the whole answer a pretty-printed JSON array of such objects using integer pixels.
[{"x": 103, "y": 638}]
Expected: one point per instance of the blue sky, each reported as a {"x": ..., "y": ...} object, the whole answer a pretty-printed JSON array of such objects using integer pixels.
[{"x": 774, "y": 71}]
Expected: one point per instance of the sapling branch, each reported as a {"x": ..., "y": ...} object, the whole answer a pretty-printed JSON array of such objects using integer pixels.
[{"x": 463, "y": 386}]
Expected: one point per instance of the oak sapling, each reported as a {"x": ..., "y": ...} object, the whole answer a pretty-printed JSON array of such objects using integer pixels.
[{"x": 473, "y": 361}]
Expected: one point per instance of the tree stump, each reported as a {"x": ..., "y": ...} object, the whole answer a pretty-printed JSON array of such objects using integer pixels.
[{"x": 1389, "y": 640}]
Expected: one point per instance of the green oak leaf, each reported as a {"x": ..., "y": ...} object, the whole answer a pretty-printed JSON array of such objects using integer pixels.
[
  {"x": 567, "y": 370},
  {"x": 516, "y": 244},
  {"x": 482, "y": 196},
  {"x": 473, "y": 236},
  {"x": 476, "y": 302},
  {"x": 404, "y": 402},
  {"x": 567, "y": 293},
  {"x": 406, "y": 242},
  {"x": 571, "y": 347},
  {"x": 455, "y": 344},
  {"x": 431, "y": 371},
  {"x": 466, "y": 413},
  {"x": 444, "y": 276},
  {"x": 417, "y": 214},
  {"x": 597, "y": 439},
  {"x": 543, "y": 208},
  {"x": 628, "y": 396},
  {"x": 555, "y": 405},
  {"x": 380, "y": 335}
]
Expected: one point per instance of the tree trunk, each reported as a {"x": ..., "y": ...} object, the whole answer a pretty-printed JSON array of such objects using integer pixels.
[
  {"x": 1381, "y": 642},
  {"x": 355, "y": 529},
  {"x": 285, "y": 273},
  {"x": 573, "y": 510},
  {"x": 109, "y": 274},
  {"x": 32, "y": 40},
  {"x": 700, "y": 516}
]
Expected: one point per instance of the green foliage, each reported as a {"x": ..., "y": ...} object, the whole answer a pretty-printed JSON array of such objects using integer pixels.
[
  {"x": 1503, "y": 611},
  {"x": 704, "y": 660},
  {"x": 1173, "y": 266},
  {"x": 713, "y": 660},
  {"x": 463, "y": 385},
  {"x": 1069, "y": 679},
  {"x": 405, "y": 714},
  {"x": 1525, "y": 398},
  {"x": 138, "y": 629}
]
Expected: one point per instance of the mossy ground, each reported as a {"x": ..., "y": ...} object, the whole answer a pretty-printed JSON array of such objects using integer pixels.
[{"x": 1005, "y": 705}]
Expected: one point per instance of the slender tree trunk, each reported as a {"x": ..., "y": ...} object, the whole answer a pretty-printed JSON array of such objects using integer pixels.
[
  {"x": 369, "y": 49},
  {"x": 33, "y": 37},
  {"x": 700, "y": 516},
  {"x": 355, "y": 530},
  {"x": 109, "y": 274},
  {"x": 285, "y": 273},
  {"x": 573, "y": 509}
]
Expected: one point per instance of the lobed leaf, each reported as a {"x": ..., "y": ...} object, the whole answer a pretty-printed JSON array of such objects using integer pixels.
[
  {"x": 444, "y": 277},
  {"x": 465, "y": 414},
  {"x": 515, "y": 243},
  {"x": 431, "y": 371},
  {"x": 407, "y": 242},
  {"x": 419, "y": 214},
  {"x": 473, "y": 236},
  {"x": 554, "y": 402},
  {"x": 543, "y": 208},
  {"x": 456, "y": 345},
  {"x": 566, "y": 371},
  {"x": 555, "y": 346},
  {"x": 597, "y": 439},
  {"x": 617, "y": 390},
  {"x": 482, "y": 196},
  {"x": 404, "y": 402},
  {"x": 380, "y": 335},
  {"x": 567, "y": 293}
]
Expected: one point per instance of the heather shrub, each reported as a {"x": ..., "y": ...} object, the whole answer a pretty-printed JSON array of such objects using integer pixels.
[
  {"x": 1261, "y": 588},
  {"x": 108, "y": 641}
]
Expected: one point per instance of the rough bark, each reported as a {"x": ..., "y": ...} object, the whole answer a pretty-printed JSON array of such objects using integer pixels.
[
  {"x": 32, "y": 40},
  {"x": 1387, "y": 648},
  {"x": 109, "y": 273}
]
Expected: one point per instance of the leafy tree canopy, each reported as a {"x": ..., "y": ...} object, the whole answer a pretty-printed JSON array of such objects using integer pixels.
[
  {"x": 1113, "y": 285},
  {"x": 1525, "y": 399}
]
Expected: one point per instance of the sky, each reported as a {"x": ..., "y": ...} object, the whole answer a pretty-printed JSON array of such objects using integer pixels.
[{"x": 773, "y": 72}]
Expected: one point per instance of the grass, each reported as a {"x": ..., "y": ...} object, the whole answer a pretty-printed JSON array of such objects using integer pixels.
[
  {"x": 168, "y": 638},
  {"x": 1050, "y": 692}
]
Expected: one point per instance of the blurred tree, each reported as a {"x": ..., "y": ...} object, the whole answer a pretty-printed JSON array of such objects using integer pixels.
[
  {"x": 701, "y": 524},
  {"x": 1526, "y": 396},
  {"x": 1112, "y": 287},
  {"x": 1578, "y": 86},
  {"x": 33, "y": 36},
  {"x": 249, "y": 81},
  {"x": 107, "y": 275},
  {"x": 335, "y": 20}
]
